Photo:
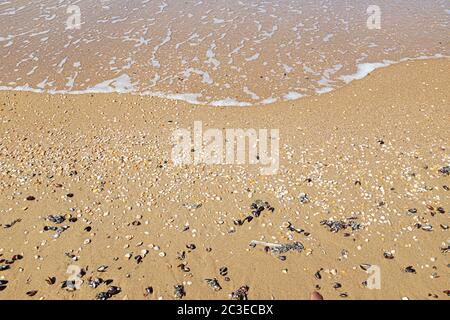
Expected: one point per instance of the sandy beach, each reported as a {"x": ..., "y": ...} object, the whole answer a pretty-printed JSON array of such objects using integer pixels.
[{"x": 89, "y": 194}]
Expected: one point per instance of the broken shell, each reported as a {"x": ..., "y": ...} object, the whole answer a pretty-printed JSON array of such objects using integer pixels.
[
  {"x": 240, "y": 294},
  {"x": 365, "y": 266},
  {"x": 94, "y": 282},
  {"x": 50, "y": 280},
  {"x": 179, "y": 291},
  {"x": 213, "y": 283},
  {"x": 303, "y": 197},
  {"x": 388, "y": 255},
  {"x": 317, "y": 275},
  {"x": 102, "y": 268}
]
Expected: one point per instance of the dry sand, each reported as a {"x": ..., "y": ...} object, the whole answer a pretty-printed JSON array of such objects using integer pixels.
[{"x": 369, "y": 151}]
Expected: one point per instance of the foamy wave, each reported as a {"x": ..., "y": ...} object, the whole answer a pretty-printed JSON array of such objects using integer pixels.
[{"x": 124, "y": 84}]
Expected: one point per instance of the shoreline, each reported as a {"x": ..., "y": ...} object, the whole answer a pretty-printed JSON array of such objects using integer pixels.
[
  {"x": 369, "y": 152},
  {"x": 362, "y": 71}
]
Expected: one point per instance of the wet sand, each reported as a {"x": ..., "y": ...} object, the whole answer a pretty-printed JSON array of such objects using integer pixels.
[
  {"x": 364, "y": 154},
  {"x": 212, "y": 52}
]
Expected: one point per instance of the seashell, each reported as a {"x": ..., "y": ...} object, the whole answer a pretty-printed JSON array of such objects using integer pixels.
[
  {"x": 4, "y": 267},
  {"x": 240, "y": 294},
  {"x": 17, "y": 257},
  {"x": 179, "y": 291},
  {"x": 191, "y": 246},
  {"x": 410, "y": 269},
  {"x": 317, "y": 275},
  {"x": 148, "y": 291},
  {"x": 183, "y": 267},
  {"x": 214, "y": 283},
  {"x": 113, "y": 290},
  {"x": 223, "y": 271},
  {"x": 31, "y": 293},
  {"x": 337, "y": 285},
  {"x": 103, "y": 296},
  {"x": 138, "y": 259},
  {"x": 445, "y": 170},
  {"x": 95, "y": 282},
  {"x": 102, "y": 268},
  {"x": 58, "y": 219},
  {"x": 50, "y": 280},
  {"x": 303, "y": 197},
  {"x": 365, "y": 266}
]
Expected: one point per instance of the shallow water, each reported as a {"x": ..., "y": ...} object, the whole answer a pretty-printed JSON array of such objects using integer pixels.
[{"x": 213, "y": 52}]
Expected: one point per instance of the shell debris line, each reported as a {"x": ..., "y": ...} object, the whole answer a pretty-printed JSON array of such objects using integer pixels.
[{"x": 92, "y": 206}]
